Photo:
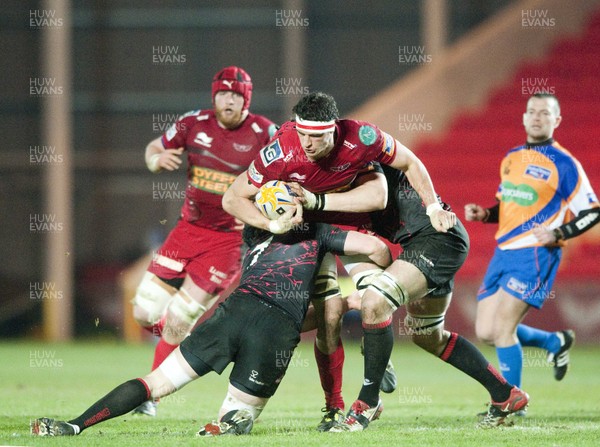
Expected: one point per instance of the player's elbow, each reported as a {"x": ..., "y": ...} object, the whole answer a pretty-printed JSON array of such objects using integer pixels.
[
  {"x": 380, "y": 253},
  {"x": 228, "y": 201},
  {"x": 380, "y": 199}
]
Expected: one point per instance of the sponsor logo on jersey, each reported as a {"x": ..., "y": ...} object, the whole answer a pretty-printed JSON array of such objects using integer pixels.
[
  {"x": 253, "y": 377},
  {"x": 203, "y": 139},
  {"x": 538, "y": 172},
  {"x": 216, "y": 275},
  {"x": 211, "y": 180},
  {"x": 256, "y": 128},
  {"x": 389, "y": 144},
  {"x": 522, "y": 194},
  {"x": 272, "y": 130},
  {"x": 202, "y": 117},
  {"x": 349, "y": 145},
  {"x": 591, "y": 198},
  {"x": 254, "y": 175},
  {"x": 367, "y": 135},
  {"x": 518, "y": 286},
  {"x": 427, "y": 261},
  {"x": 271, "y": 153},
  {"x": 340, "y": 168},
  {"x": 297, "y": 177},
  {"x": 242, "y": 147}
]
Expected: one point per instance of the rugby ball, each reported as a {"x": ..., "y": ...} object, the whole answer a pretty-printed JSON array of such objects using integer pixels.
[{"x": 274, "y": 198}]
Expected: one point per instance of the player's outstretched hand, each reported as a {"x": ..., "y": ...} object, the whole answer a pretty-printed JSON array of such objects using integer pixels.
[
  {"x": 169, "y": 159},
  {"x": 475, "y": 212},
  {"x": 442, "y": 220},
  {"x": 287, "y": 220}
]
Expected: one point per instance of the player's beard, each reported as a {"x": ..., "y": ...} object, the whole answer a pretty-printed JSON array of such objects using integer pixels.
[{"x": 230, "y": 118}]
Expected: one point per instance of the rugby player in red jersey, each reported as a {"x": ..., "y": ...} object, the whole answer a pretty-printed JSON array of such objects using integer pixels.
[
  {"x": 201, "y": 256},
  {"x": 328, "y": 156}
]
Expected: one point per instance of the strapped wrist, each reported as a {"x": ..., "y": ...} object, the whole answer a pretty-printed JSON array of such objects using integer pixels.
[
  {"x": 558, "y": 234},
  {"x": 320, "y": 202},
  {"x": 433, "y": 207},
  {"x": 153, "y": 163}
]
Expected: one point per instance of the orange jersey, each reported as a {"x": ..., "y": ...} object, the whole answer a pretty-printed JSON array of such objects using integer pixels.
[{"x": 540, "y": 185}]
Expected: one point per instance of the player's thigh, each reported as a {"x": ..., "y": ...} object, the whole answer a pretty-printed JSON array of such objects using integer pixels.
[
  {"x": 214, "y": 342},
  {"x": 509, "y": 313},
  {"x": 410, "y": 278},
  {"x": 266, "y": 351},
  {"x": 197, "y": 293},
  {"x": 485, "y": 316},
  {"x": 214, "y": 268}
]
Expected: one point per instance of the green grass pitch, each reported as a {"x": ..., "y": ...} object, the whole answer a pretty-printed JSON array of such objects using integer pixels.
[{"x": 434, "y": 404}]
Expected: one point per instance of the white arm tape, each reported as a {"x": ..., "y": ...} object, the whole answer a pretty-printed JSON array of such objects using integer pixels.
[
  {"x": 433, "y": 207},
  {"x": 153, "y": 163}
]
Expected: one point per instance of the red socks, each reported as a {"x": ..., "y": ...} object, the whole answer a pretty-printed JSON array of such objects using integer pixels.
[
  {"x": 330, "y": 372},
  {"x": 161, "y": 352}
]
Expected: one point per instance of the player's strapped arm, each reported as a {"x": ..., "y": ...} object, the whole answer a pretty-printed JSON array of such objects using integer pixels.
[
  {"x": 583, "y": 222},
  {"x": 354, "y": 243},
  {"x": 158, "y": 158},
  {"x": 419, "y": 178},
  {"x": 369, "y": 193},
  {"x": 371, "y": 246}
]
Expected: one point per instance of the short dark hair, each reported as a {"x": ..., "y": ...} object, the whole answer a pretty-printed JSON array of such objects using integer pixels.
[
  {"x": 546, "y": 95},
  {"x": 317, "y": 106}
]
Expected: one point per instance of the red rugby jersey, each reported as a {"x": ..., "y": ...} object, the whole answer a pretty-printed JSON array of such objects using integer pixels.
[
  {"x": 215, "y": 157},
  {"x": 357, "y": 144}
]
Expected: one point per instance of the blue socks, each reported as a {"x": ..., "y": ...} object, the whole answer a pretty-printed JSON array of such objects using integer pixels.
[
  {"x": 530, "y": 336},
  {"x": 511, "y": 363}
]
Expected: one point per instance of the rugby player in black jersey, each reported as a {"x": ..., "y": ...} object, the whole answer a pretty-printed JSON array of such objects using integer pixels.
[
  {"x": 257, "y": 324},
  {"x": 421, "y": 278}
]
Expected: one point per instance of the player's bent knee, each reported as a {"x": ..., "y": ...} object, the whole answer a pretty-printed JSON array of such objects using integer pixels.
[
  {"x": 425, "y": 330},
  {"x": 485, "y": 336},
  {"x": 151, "y": 300},
  {"x": 171, "y": 376},
  {"x": 185, "y": 308},
  {"x": 385, "y": 286},
  {"x": 363, "y": 279}
]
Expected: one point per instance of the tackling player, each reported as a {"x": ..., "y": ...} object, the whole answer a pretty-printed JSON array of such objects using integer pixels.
[
  {"x": 253, "y": 328},
  {"x": 327, "y": 155},
  {"x": 422, "y": 278},
  {"x": 544, "y": 199},
  {"x": 201, "y": 256}
]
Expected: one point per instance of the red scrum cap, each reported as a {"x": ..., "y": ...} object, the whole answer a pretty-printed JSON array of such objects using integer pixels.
[{"x": 234, "y": 79}]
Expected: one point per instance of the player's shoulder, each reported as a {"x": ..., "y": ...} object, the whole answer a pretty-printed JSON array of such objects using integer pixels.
[{"x": 359, "y": 132}]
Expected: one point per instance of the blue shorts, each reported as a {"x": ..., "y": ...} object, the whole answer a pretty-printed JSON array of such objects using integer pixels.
[{"x": 525, "y": 273}]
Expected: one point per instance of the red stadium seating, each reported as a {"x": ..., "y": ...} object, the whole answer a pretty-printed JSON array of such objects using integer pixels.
[{"x": 464, "y": 163}]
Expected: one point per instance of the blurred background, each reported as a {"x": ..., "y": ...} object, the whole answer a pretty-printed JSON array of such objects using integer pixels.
[{"x": 87, "y": 84}]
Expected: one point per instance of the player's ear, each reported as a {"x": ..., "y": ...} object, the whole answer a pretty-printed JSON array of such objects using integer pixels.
[{"x": 558, "y": 121}]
